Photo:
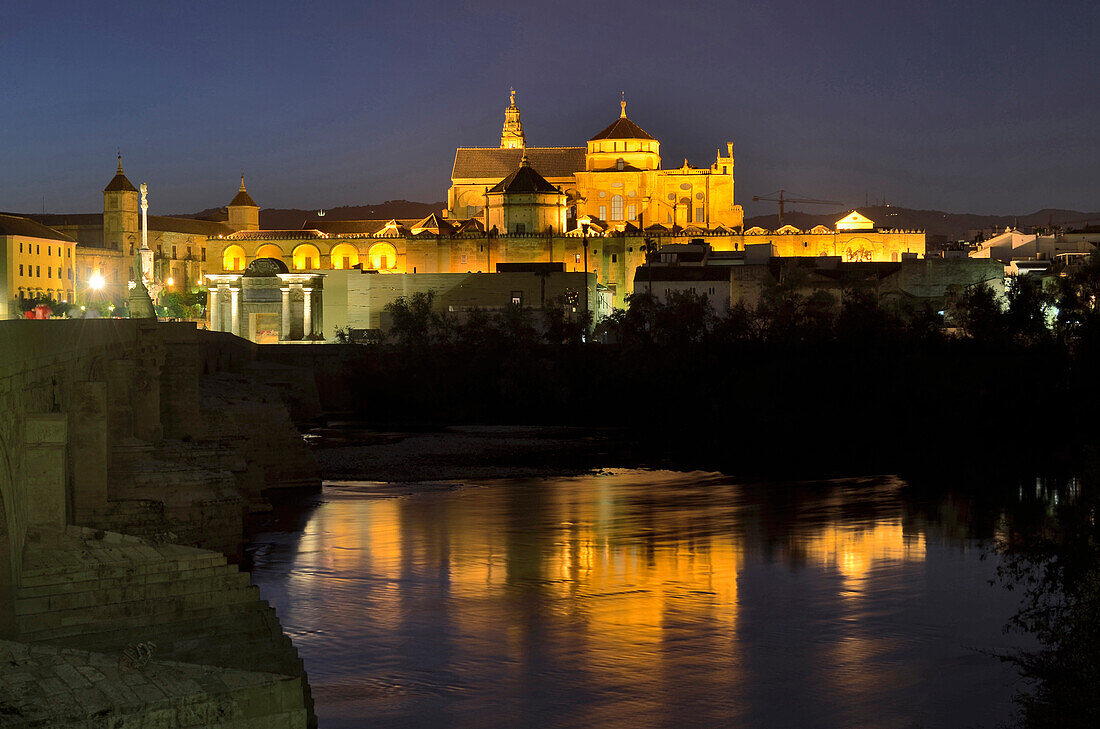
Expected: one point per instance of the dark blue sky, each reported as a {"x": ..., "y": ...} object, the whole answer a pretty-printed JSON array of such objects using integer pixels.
[{"x": 987, "y": 107}]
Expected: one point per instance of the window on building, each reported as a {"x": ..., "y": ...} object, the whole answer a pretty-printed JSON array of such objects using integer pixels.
[
  {"x": 49, "y": 250},
  {"x": 347, "y": 262},
  {"x": 620, "y": 164},
  {"x": 204, "y": 254},
  {"x": 631, "y": 212},
  {"x": 699, "y": 215},
  {"x": 37, "y": 249},
  {"x": 70, "y": 274},
  {"x": 20, "y": 269},
  {"x": 614, "y": 258},
  {"x": 38, "y": 272},
  {"x": 173, "y": 251},
  {"x": 131, "y": 249},
  {"x": 517, "y": 298},
  {"x": 603, "y": 212},
  {"x": 577, "y": 258},
  {"x": 462, "y": 259},
  {"x": 160, "y": 249},
  {"x": 712, "y": 291},
  {"x": 236, "y": 264},
  {"x": 616, "y": 207},
  {"x": 520, "y": 228},
  {"x": 188, "y": 251},
  {"x": 20, "y": 246}
]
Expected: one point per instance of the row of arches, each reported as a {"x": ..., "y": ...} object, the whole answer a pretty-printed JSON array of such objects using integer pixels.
[{"x": 307, "y": 257}]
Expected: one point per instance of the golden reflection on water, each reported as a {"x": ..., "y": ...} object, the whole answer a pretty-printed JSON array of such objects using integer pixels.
[{"x": 624, "y": 587}]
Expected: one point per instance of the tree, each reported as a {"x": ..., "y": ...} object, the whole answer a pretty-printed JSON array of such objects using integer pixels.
[{"x": 412, "y": 319}]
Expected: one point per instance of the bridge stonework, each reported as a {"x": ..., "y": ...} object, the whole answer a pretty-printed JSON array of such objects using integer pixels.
[{"x": 102, "y": 431}]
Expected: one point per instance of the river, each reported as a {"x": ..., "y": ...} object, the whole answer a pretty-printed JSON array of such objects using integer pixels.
[{"x": 641, "y": 599}]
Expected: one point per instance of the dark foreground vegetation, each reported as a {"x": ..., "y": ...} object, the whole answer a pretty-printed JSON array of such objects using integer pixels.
[{"x": 808, "y": 386}]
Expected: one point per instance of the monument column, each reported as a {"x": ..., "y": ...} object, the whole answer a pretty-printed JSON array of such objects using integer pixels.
[
  {"x": 307, "y": 312},
  {"x": 284, "y": 326},
  {"x": 215, "y": 310},
  {"x": 235, "y": 310}
]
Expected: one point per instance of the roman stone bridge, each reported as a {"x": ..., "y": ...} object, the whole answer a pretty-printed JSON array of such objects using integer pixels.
[{"x": 127, "y": 449}]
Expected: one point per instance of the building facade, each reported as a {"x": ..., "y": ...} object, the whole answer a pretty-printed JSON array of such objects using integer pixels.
[{"x": 35, "y": 261}]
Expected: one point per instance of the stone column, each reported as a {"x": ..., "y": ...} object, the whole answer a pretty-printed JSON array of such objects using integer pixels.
[
  {"x": 307, "y": 312},
  {"x": 45, "y": 436},
  {"x": 284, "y": 325},
  {"x": 215, "y": 310},
  {"x": 89, "y": 448},
  {"x": 235, "y": 311}
]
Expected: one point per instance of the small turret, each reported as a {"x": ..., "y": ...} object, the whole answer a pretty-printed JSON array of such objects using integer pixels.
[
  {"x": 244, "y": 213},
  {"x": 512, "y": 136}
]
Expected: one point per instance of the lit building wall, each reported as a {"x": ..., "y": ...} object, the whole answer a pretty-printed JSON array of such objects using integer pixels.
[{"x": 32, "y": 266}]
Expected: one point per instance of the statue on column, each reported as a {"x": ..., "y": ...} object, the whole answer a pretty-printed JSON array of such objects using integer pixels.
[
  {"x": 139, "y": 299},
  {"x": 141, "y": 306}
]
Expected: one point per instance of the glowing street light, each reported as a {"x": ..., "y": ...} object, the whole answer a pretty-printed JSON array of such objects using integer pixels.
[
  {"x": 170, "y": 281},
  {"x": 95, "y": 281}
]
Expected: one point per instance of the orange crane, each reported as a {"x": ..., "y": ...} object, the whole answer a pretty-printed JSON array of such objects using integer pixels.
[{"x": 782, "y": 200}]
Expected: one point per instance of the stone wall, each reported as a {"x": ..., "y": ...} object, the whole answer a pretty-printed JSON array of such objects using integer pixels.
[{"x": 116, "y": 462}]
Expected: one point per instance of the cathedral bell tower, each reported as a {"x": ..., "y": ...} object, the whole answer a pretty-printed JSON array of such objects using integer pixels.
[{"x": 512, "y": 137}]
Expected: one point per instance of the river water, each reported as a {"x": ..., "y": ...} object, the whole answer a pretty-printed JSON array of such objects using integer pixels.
[{"x": 640, "y": 599}]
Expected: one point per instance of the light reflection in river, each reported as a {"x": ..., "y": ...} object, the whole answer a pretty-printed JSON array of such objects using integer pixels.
[{"x": 636, "y": 599}]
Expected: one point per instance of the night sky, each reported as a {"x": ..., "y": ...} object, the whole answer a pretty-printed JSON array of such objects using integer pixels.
[{"x": 986, "y": 107}]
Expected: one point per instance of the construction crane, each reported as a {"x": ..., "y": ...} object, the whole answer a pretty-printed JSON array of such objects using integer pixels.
[{"x": 779, "y": 196}]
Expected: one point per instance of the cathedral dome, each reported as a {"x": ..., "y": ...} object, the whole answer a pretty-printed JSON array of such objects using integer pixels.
[
  {"x": 524, "y": 180},
  {"x": 622, "y": 128}
]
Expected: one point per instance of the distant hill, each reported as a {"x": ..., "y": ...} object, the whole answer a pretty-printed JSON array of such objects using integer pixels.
[
  {"x": 952, "y": 226},
  {"x": 293, "y": 218}
]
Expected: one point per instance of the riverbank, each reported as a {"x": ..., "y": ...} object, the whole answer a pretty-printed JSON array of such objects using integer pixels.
[{"x": 464, "y": 452}]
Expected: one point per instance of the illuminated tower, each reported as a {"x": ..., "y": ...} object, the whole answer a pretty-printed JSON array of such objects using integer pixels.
[
  {"x": 244, "y": 213},
  {"x": 512, "y": 137},
  {"x": 120, "y": 212}
]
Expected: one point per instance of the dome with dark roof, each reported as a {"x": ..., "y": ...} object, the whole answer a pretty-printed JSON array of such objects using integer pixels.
[
  {"x": 265, "y": 268},
  {"x": 524, "y": 179},
  {"x": 622, "y": 128}
]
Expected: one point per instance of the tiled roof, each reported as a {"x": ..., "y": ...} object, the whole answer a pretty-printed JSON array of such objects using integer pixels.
[
  {"x": 275, "y": 235},
  {"x": 622, "y": 128},
  {"x": 166, "y": 224},
  {"x": 18, "y": 225},
  {"x": 495, "y": 163},
  {"x": 354, "y": 227},
  {"x": 69, "y": 219}
]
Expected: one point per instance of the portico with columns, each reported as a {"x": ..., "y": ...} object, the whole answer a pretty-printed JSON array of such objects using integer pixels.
[{"x": 267, "y": 303}]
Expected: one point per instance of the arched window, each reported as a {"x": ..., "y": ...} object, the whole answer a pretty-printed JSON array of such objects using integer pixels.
[
  {"x": 344, "y": 255},
  {"x": 269, "y": 250},
  {"x": 383, "y": 256},
  {"x": 307, "y": 257},
  {"x": 233, "y": 258},
  {"x": 616, "y": 207}
]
